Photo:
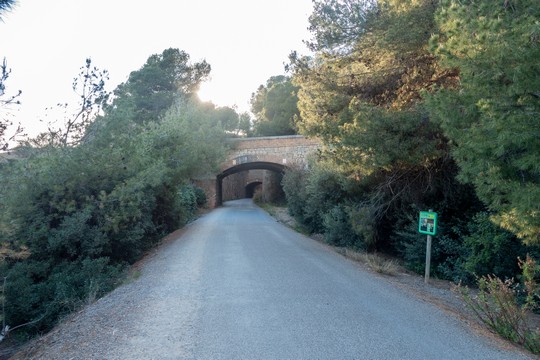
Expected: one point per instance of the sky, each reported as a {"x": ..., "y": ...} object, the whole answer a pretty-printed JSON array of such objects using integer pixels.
[{"x": 45, "y": 43}]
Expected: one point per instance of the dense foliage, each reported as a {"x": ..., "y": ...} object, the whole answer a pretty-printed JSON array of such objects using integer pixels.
[
  {"x": 492, "y": 117},
  {"x": 73, "y": 216},
  {"x": 431, "y": 117},
  {"x": 275, "y": 107}
]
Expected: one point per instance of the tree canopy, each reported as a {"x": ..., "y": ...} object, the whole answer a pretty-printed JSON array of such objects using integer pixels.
[
  {"x": 275, "y": 107},
  {"x": 492, "y": 116},
  {"x": 336, "y": 25},
  {"x": 367, "y": 104},
  {"x": 150, "y": 91}
]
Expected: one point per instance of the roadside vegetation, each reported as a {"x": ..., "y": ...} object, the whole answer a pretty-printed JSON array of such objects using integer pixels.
[
  {"x": 424, "y": 105},
  {"x": 93, "y": 194}
]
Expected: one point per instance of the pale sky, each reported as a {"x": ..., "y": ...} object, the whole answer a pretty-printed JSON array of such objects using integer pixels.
[{"x": 245, "y": 41}]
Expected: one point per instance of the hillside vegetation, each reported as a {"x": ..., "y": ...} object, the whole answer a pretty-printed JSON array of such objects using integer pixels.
[{"x": 90, "y": 197}]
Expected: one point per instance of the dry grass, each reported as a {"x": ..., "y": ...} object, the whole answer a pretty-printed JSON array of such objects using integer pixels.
[{"x": 375, "y": 262}]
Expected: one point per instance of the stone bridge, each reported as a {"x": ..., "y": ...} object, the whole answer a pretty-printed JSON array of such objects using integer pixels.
[{"x": 255, "y": 166}]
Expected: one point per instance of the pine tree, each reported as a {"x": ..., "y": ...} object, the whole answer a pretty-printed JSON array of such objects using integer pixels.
[
  {"x": 367, "y": 104},
  {"x": 492, "y": 117},
  {"x": 275, "y": 107}
]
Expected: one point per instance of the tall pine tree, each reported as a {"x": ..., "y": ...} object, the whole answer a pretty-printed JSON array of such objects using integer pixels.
[{"x": 492, "y": 117}]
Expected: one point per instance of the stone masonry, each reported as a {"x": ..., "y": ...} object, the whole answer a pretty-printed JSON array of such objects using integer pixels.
[
  {"x": 292, "y": 150},
  {"x": 261, "y": 159}
]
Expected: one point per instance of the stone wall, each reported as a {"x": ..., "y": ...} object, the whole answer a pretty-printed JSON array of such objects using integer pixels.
[
  {"x": 263, "y": 152},
  {"x": 291, "y": 150},
  {"x": 234, "y": 186}
]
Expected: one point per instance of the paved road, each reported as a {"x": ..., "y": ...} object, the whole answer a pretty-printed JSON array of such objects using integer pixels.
[{"x": 238, "y": 285}]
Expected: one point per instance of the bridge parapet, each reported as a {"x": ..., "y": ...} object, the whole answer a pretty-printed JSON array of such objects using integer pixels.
[{"x": 284, "y": 150}]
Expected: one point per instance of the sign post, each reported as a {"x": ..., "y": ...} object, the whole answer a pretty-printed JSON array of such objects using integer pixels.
[
  {"x": 428, "y": 259},
  {"x": 427, "y": 224}
]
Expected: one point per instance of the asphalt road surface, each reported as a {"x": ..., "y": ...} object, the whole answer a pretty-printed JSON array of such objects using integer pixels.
[{"x": 239, "y": 285}]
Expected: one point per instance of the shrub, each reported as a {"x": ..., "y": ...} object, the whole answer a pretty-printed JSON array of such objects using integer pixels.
[
  {"x": 463, "y": 249},
  {"x": 27, "y": 294},
  {"x": 311, "y": 194},
  {"x": 363, "y": 224},
  {"x": 200, "y": 196},
  {"x": 293, "y": 184},
  {"x": 324, "y": 190},
  {"x": 37, "y": 292},
  {"x": 78, "y": 214},
  {"x": 490, "y": 249},
  {"x": 446, "y": 251},
  {"x": 186, "y": 203},
  {"x": 337, "y": 227},
  {"x": 497, "y": 305}
]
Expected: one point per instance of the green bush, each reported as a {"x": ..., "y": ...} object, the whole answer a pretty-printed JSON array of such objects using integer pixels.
[
  {"x": 324, "y": 190},
  {"x": 337, "y": 228},
  {"x": 186, "y": 198},
  {"x": 411, "y": 246},
  {"x": 447, "y": 250},
  {"x": 38, "y": 292},
  {"x": 80, "y": 214},
  {"x": 293, "y": 184},
  {"x": 492, "y": 250},
  {"x": 313, "y": 193},
  {"x": 464, "y": 250},
  {"x": 363, "y": 224},
  {"x": 28, "y": 294},
  {"x": 200, "y": 196}
]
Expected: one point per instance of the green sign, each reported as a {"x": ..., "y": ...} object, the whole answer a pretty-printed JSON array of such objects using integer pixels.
[{"x": 427, "y": 223}]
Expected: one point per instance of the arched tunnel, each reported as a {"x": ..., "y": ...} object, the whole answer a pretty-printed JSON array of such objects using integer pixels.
[
  {"x": 244, "y": 180},
  {"x": 252, "y": 188}
]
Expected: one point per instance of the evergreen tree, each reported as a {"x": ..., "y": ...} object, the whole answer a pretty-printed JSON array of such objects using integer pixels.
[
  {"x": 336, "y": 25},
  {"x": 275, "y": 107},
  {"x": 148, "y": 94},
  {"x": 367, "y": 105},
  {"x": 150, "y": 91},
  {"x": 492, "y": 116}
]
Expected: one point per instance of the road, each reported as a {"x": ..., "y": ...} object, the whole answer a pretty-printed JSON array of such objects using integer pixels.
[{"x": 239, "y": 285}]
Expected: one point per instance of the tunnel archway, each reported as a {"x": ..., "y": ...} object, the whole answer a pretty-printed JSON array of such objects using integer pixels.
[
  {"x": 256, "y": 165},
  {"x": 252, "y": 187}
]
